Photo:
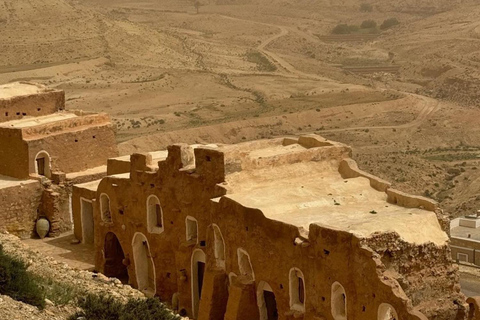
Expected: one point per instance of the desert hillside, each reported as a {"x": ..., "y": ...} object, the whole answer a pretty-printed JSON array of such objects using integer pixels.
[{"x": 405, "y": 97}]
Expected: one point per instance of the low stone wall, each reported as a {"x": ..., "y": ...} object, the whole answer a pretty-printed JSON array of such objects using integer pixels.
[{"x": 19, "y": 205}]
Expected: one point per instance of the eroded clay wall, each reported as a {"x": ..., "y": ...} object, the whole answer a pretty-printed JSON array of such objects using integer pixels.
[
  {"x": 14, "y": 160},
  {"x": 19, "y": 205},
  {"x": 31, "y": 105},
  {"x": 77, "y": 150}
]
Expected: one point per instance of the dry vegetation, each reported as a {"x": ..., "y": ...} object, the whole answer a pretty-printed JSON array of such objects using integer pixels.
[{"x": 405, "y": 97}]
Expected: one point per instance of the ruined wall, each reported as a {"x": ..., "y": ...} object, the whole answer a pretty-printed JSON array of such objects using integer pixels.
[
  {"x": 73, "y": 151},
  {"x": 19, "y": 205},
  {"x": 13, "y": 154},
  {"x": 35, "y": 105},
  {"x": 425, "y": 272}
]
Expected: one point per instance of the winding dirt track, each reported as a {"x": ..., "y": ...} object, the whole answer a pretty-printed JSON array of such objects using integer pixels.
[
  {"x": 430, "y": 106},
  {"x": 275, "y": 58}
]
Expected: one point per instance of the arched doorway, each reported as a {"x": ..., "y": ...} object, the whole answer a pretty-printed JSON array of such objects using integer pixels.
[
  {"x": 114, "y": 256},
  {"x": 267, "y": 304},
  {"x": 387, "y": 312},
  {"x": 144, "y": 267},
  {"x": 42, "y": 164},
  {"x": 198, "y": 271}
]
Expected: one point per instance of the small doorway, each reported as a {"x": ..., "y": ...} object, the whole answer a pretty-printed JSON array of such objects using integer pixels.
[
  {"x": 198, "y": 271},
  {"x": 114, "y": 256},
  {"x": 271, "y": 305},
  {"x": 42, "y": 164},
  {"x": 267, "y": 304},
  {"x": 87, "y": 221}
]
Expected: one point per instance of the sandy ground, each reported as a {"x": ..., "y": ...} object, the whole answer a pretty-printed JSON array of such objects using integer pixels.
[{"x": 239, "y": 71}]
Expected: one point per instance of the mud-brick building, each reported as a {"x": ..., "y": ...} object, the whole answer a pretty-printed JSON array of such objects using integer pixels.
[
  {"x": 39, "y": 142},
  {"x": 43, "y": 138},
  {"x": 273, "y": 229}
]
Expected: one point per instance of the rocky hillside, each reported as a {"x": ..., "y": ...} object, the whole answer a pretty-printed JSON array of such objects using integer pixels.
[{"x": 61, "y": 279}]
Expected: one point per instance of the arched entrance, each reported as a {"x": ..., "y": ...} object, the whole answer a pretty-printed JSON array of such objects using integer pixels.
[
  {"x": 42, "y": 164},
  {"x": 267, "y": 304},
  {"x": 144, "y": 267},
  {"x": 114, "y": 256},
  {"x": 198, "y": 270}
]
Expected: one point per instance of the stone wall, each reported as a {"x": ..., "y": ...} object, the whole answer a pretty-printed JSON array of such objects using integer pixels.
[{"x": 19, "y": 208}]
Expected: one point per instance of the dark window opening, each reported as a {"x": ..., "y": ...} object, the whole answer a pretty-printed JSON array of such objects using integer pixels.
[
  {"x": 201, "y": 272},
  {"x": 158, "y": 212}
]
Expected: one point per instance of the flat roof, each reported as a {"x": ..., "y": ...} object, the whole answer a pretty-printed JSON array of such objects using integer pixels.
[
  {"x": 15, "y": 89},
  {"x": 7, "y": 182},
  {"x": 314, "y": 192},
  {"x": 92, "y": 185},
  {"x": 27, "y": 122},
  {"x": 463, "y": 232}
]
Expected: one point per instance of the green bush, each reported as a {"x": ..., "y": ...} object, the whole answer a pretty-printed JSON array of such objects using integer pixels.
[
  {"x": 97, "y": 307},
  {"x": 366, "y": 7},
  {"x": 368, "y": 24},
  {"x": 17, "y": 283},
  {"x": 345, "y": 29},
  {"x": 389, "y": 23}
]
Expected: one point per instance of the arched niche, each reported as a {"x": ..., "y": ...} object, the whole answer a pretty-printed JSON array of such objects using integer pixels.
[
  {"x": 297, "y": 290},
  {"x": 245, "y": 265},
  {"x": 339, "y": 302},
  {"x": 387, "y": 312},
  {"x": 105, "y": 208},
  {"x": 154, "y": 215},
  {"x": 218, "y": 247}
]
